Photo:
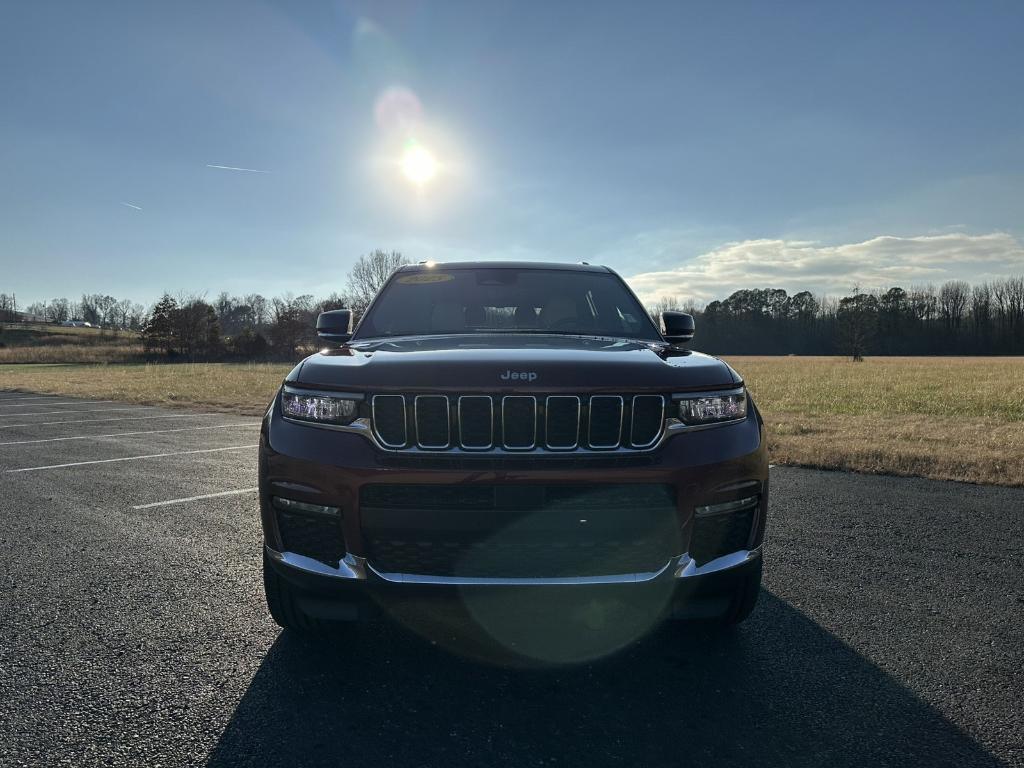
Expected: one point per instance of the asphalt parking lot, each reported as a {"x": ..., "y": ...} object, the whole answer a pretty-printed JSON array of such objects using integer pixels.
[{"x": 133, "y": 629}]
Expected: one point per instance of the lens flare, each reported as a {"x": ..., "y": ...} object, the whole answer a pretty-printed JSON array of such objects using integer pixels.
[{"x": 419, "y": 165}]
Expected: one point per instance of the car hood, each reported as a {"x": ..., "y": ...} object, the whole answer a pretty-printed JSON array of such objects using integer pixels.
[{"x": 497, "y": 363}]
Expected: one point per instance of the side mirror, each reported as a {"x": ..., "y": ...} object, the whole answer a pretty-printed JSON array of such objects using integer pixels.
[
  {"x": 335, "y": 326},
  {"x": 678, "y": 327}
]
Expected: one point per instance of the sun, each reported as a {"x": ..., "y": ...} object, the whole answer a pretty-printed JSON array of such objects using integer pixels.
[{"x": 419, "y": 165}]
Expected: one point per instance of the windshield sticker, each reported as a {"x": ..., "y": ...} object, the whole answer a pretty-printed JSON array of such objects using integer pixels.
[{"x": 425, "y": 277}]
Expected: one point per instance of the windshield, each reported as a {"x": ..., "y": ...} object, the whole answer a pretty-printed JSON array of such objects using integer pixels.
[{"x": 507, "y": 300}]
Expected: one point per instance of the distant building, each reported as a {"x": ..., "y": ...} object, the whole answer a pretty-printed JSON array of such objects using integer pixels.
[{"x": 25, "y": 317}]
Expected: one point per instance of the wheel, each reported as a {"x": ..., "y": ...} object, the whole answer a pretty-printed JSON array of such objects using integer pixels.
[
  {"x": 745, "y": 596},
  {"x": 283, "y": 604}
]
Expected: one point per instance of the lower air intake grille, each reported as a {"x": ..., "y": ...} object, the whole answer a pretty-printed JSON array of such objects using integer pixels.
[
  {"x": 519, "y": 531},
  {"x": 318, "y": 537},
  {"x": 516, "y": 559},
  {"x": 719, "y": 535}
]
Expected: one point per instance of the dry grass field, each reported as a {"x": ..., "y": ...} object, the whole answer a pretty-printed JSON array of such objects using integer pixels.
[
  {"x": 48, "y": 343},
  {"x": 944, "y": 418},
  {"x": 244, "y": 388},
  {"x": 72, "y": 353}
]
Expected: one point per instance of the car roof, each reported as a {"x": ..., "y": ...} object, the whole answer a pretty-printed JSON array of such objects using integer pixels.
[{"x": 554, "y": 265}]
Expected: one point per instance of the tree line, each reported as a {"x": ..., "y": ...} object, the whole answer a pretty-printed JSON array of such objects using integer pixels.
[
  {"x": 97, "y": 309},
  {"x": 254, "y": 327},
  {"x": 952, "y": 319},
  {"x": 192, "y": 327}
]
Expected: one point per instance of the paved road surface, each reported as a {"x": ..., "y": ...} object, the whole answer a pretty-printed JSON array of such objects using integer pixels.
[{"x": 133, "y": 631}]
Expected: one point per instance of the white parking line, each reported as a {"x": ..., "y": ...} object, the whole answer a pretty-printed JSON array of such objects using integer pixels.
[
  {"x": 69, "y": 402},
  {"x": 131, "y": 458},
  {"x": 94, "y": 421},
  {"x": 95, "y": 410},
  {"x": 195, "y": 498},
  {"x": 122, "y": 434},
  {"x": 32, "y": 397}
]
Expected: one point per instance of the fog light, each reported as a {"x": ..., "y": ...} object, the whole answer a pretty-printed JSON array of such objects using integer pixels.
[
  {"x": 290, "y": 505},
  {"x": 725, "y": 507}
]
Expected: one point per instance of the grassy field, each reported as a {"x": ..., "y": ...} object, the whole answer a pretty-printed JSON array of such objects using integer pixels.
[
  {"x": 944, "y": 418},
  {"x": 48, "y": 343},
  {"x": 244, "y": 388}
]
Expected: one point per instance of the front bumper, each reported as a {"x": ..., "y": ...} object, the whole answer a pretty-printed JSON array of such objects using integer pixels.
[
  {"x": 353, "y": 568},
  {"x": 329, "y": 468}
]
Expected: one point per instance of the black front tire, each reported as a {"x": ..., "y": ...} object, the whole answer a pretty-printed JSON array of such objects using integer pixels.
[
  {"x": 282, "y": 600},
  {"x": 744, "y": 599}
]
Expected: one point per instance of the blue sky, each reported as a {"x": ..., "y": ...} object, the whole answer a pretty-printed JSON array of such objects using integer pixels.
[{"x": 694, "y": 148}]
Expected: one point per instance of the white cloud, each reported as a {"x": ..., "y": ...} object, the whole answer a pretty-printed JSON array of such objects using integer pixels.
[{"x": 795, "y": 265}]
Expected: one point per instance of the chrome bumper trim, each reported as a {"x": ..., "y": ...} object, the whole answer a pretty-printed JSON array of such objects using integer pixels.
[
  {"x": 351, "y": 567},
  {"x": 356, "y": 568},
  {"x": 487, "y": 581},
  {"x": 686, "y": 567}
]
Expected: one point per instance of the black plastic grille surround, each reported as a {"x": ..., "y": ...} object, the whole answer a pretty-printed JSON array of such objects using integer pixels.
[
  {"x": 514, "y": 531},
  {"x": 518, "y": 423},
  {"x": 316, "y": 536}
]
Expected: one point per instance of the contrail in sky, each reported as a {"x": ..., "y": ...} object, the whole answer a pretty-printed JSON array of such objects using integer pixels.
[
  {"x": 137, "y": 208},
  {"x": 233, "y": 168}
]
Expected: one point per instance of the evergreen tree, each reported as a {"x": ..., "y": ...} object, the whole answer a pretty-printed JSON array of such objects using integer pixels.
[{"x": 158, "y": 333}]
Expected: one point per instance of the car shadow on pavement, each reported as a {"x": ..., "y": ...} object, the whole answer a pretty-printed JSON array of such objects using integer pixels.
[{"x": 780, "y": 690}]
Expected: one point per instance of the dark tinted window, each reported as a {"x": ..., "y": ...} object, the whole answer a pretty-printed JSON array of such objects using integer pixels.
[{"x": 506, "y": 300}]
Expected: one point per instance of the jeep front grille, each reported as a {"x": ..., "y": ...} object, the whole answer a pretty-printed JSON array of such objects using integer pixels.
[{"x": 432, "y": 422}]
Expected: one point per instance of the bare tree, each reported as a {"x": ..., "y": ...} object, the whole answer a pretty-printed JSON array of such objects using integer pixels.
[
  {"x": 334, "y": 301},
  {"x": 59, "y": 310},
  {"x": 981, "y": 308},
  {"x": 294, "y": 321},
  {"x": 369, "y": 275},
  {"x": 224, "y": 305},
  {"x": 122, "y": 312},
  {"x": 953, "y": 303},
  {"x": 137, "y": 318},
  {"x": 257, "y": 310},
  {"x": 37, "y": 309}
]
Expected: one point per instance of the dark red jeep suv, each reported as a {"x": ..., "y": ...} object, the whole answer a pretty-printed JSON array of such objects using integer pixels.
[{"x": 511, "y": 429}]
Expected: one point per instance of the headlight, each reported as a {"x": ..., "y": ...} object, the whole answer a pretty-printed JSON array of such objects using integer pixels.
[
  {"x": 317, "y": 407},
  {"x": 713, "y": 408}
]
